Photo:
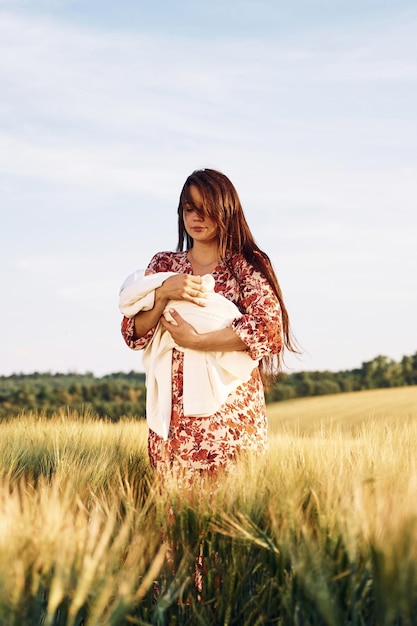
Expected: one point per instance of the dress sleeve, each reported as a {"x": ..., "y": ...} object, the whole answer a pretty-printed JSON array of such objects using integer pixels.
[
  {"x": 260, "y": 326},
  {"x": 128, "y": 325}
]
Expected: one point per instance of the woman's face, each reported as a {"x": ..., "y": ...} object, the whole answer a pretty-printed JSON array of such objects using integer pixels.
[{"x": 199, "y": 226}]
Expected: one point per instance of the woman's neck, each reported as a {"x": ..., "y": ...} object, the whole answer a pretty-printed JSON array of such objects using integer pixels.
[{"x": 203, "y": 256}]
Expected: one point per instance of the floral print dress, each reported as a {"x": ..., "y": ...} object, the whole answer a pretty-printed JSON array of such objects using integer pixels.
[{"x": 199, "y": 445}]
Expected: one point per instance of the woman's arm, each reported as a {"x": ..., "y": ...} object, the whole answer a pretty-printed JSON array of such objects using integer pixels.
[
  {"x": 144, "y": 321},
  {"x": 185, "y": 335},
  {"x": 260, "y": 326}
]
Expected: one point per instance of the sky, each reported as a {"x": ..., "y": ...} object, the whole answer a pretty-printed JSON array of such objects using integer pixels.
[{"x": 309, "y": 107}]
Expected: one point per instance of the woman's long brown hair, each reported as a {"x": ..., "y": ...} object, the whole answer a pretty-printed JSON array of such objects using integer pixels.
[{"x": 221, "y": 203}]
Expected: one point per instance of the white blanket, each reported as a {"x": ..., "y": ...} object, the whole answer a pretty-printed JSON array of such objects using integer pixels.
[{"x": 209, "y": 376}]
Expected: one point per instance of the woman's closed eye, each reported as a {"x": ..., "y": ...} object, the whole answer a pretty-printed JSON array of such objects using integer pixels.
[{"x": 189, "y": 208}]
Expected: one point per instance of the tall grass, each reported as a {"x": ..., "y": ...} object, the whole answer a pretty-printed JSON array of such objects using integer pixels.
[{"x": 323, "y": 531}]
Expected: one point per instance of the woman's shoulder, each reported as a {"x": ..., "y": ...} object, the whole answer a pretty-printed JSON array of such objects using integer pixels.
[
  {"x": 168, "y": 261},
  {"x": 245, "y": 269},
  {"x": 240, "y": 264}
]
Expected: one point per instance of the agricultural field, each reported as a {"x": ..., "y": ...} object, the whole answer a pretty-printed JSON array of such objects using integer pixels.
[{"x": 321, "y": 532}]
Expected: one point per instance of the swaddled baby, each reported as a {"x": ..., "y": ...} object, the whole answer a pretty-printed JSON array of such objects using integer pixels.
[{"x": 138, "y": 294}]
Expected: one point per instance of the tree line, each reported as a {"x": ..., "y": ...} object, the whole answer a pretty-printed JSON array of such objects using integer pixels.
[
  {"x": 111, "y": 396},
  {"x": 379, "y": 373},
  {"x": 124, "y": 394}
]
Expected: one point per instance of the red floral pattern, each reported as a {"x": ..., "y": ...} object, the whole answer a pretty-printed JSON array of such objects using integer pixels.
[{"x": 197, "y": 445}]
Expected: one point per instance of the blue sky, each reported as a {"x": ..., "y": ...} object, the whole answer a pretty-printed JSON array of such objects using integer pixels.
[{"x": 309, "y": 107}]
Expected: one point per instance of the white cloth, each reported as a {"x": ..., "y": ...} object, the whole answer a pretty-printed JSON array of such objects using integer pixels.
[{"x": 209, "y": 376}]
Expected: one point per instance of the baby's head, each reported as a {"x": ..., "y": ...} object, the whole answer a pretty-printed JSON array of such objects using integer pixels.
[{"x": 148, "y": 272}]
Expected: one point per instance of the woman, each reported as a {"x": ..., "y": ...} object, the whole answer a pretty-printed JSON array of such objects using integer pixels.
[{"x": 217, "y": 240}]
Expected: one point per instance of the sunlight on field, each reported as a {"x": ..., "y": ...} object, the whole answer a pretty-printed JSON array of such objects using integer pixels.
[
  {"x": 323, "y": 531},
  {"x": 346, "y": 410}
]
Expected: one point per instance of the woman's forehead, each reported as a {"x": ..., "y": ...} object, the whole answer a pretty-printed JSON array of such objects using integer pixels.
[{"x": 193, "y": 196}]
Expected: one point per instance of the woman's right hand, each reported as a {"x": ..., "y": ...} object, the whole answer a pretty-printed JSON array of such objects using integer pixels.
[
  {"x": 182, "y": 287},
  {"x": 178, "y": 287}
]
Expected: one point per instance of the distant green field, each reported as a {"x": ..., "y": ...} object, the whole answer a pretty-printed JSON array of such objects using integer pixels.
[
  {"x": 321, "y": 532},
  {"x": 346, "y": 410}
]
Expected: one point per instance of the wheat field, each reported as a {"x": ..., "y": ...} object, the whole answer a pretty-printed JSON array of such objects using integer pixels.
[{"x": 321, "y": 532}]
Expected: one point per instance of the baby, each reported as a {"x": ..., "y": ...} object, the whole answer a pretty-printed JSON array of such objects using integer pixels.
[{"x": 138, "y": 292}]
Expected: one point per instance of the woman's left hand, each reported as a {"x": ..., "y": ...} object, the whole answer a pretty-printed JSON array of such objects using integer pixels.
[{"x": 181, "y": 331}]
